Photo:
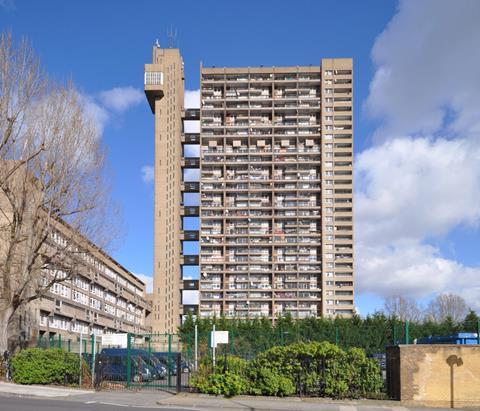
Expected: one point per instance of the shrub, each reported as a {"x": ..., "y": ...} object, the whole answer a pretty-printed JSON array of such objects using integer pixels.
[
  {"x": 321, "y": 369},
  {"x": 227, "y": 384},
  {"x": 266, "y": 381},
  {"x": 235, "y": 365},
  {"x": 45, "y": 366}
]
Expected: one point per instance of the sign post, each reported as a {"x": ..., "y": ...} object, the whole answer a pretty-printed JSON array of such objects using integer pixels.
[
  {"x": 94, "y": 342},
  {"x": 80, "y": 355},
  {"x": 217, "y": 337},
  {"x": 214, "y": 345},
  {"x": 196, "y": 347}
]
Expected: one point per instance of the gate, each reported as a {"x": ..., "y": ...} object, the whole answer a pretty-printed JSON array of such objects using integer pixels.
[{"x": 150, "y": 361}]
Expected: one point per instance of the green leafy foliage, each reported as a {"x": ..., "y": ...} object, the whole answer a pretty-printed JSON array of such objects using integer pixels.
[
  {"x": 268, "y": 381},
  {"x": 249, "y": 337},
  {"x": 45, "y": 366},
  {"x": 324, "y": 369},
  {"x": 320, "y": 369}
]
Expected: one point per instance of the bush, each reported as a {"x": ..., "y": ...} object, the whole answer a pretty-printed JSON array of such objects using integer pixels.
[
  {"x": 265, "y": 381},
  {"x": 235, "y": 365},
  {"x": 227, "y": 384},
  {"x": 45, "y": 366},
  {"x": 323, "y": 369},
  {"x": 320, "y": 369},
  {"x": 229, "y": 379}
]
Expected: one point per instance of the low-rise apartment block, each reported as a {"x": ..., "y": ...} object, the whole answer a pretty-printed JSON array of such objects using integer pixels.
[{"x": 99, "y": 296}]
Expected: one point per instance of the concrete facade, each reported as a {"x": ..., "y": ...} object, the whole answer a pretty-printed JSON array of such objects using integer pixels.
[
  {"x": 276, "y": 191},
  {"x": 89, "y": 292},
  {"x": 434, "y": 375},
  {"x": 164, "y": 91},
  {"x": 102, "y": 297},
  {"x": 276, "y": 226}
]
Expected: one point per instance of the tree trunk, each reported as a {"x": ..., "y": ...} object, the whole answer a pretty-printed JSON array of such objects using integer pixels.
[{"x": 5, "y": 317}]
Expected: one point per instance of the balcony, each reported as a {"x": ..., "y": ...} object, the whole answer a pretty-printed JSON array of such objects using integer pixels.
[
  {"x": 191, "y": 138},
  {"x": 189, "y": 259},
  {"x": 153, "y": 85},
  {"x": 191, "y": 162},
  {"x": 191, "y": 187},
  {"x": 192, "y": 114},
  {"x": 189, "y": 235}
]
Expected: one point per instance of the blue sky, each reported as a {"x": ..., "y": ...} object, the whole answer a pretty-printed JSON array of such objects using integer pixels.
[{"x": 416, "y": 129}]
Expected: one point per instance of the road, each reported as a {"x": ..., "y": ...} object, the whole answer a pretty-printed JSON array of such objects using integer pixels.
[
  {"x": 12, "y": 403},
  {"x": 20, "y": 403}
]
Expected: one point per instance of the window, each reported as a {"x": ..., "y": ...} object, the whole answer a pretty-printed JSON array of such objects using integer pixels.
[
  {"x": 80, "y": 297},
  {"x": 94, "y": 303}
]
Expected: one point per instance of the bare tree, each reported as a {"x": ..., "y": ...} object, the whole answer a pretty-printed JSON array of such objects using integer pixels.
[
  {"x": 446, "y": 306},
  {"x": 52, "y": 193},
  {"x": 403, "y": 308}
]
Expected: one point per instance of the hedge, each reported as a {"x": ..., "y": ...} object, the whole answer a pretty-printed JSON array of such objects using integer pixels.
[
  {"x": 316, "y": 369},
  {"x": 45, "y": 366}
]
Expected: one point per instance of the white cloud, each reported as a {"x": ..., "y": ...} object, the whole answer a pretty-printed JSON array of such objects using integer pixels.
[
  {"x": 101, "y": 106},
  {"x": 190, "y": 297},
  {"x": 192, "y": 99},
  {"x": 148, "y": 280},
  {"x": 415, "y": 270},
  {"x": 426, "y": 67},
  {"x": 422, "y": 178},
  {"x": 413, "y": 188},
  {"x": 120, "y": 99},
  {"x": 96, "y": 113},
  {"x": 192, "y": 150},
  {"x": 8, "y": 5},
  {"x": 148, "y": 174}
]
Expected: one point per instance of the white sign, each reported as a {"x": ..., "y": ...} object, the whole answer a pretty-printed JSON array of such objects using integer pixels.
[
  {"x": 117, "y": 340},
  {"x": 220, "y": 337}
]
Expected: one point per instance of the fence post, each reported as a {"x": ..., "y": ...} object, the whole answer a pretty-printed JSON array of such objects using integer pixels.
[
  {"x": 170, "y": 362},
  {"x": 59, "y": 343},
  {"x": 179, "y": 372},
  {"x": 407, "y": 332},
  {"x": 337, "y": 335},
  {"x": 94, "y": 343},
  {"x": 196, "y": 347},
  {"x": 478, "y": 332},
  {"x": 69, "y": 344},
  {"x": 81, "y": 360},
  {"x": 394, "y": 333},
  {"x": 129, "y": 359}
]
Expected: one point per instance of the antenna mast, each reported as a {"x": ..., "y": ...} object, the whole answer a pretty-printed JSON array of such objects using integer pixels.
[{"x": 172, "y": 37}]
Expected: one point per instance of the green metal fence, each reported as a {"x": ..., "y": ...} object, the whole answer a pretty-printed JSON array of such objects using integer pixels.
[
  {"x": 88, "y": 344},
  {"x": 247, "y": 339},
  {"x": 149, "y": 361}
]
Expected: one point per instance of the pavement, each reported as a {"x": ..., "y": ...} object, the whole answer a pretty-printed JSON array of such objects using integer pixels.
[{"x": 35, "y": 398}]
